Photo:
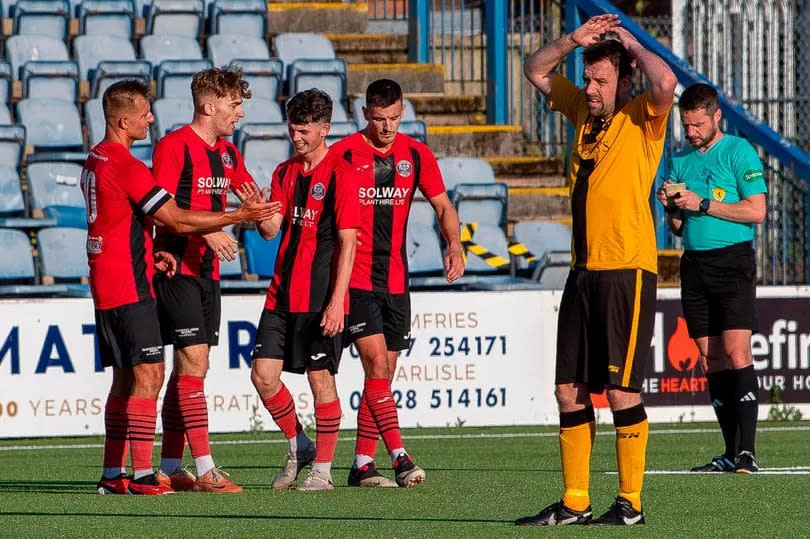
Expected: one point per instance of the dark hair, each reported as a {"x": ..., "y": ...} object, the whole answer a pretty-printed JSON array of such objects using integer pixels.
[
  {"x": 122, "y": 95},
  {"x": 611, "y": 50},
  {"x": 219, "y": 81},
  {"x": 309, "y": 106},
  {"x": 383, "y": 93},
  {"x": 699, "y": 96}
]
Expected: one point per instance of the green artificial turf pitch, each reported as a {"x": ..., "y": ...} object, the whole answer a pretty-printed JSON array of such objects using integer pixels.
[{"x": 478, "y": 481}]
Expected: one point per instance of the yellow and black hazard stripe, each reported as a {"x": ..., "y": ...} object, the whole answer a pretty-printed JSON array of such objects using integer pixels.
[
  {"x": 467, "y": 233},
  {"x": 518, "y": 249}
]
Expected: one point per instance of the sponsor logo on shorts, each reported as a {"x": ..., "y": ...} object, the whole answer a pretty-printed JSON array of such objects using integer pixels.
[
  {"x": 226, "y": 160},
  {"x": 151, "y": 351},
  {"x": 187, "y": 332},
  {"x": 613, "y": 368},
  {"x": 404, "y": 168},
  {"x": 357, "y": 328},
  {"x": 316, "y": 357},
  {"x": 318, "y": 191},
  {"x": 718, "y": 193},
  {"x": 95, "y": 244},
  {"x": 752, "y": 175}
]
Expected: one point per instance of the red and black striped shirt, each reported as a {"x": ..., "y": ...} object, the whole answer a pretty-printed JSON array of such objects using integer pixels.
[
  {"x": 386, "y": 187},
  {"x": 199, "y": 176},
  {"x": 315, "y": 204},
  {"x": 119, "y": 193}
]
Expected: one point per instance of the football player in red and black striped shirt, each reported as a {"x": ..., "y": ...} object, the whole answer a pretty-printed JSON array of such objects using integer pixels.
[
  {"x": 197, "y": 165},
  {"x": 388, "y": 167},
  {"x": 303, "y": 319},
  {"x": 122, "y": 201}
]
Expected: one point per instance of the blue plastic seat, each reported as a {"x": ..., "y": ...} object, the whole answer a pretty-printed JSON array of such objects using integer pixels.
[
  {"x": 224, "y": 48},
  {"x": 17, "y": 262},
  {"x": 179, "y": 17},
  {"x": 264, "y": 141},
  {"x": 416, "y": 129},
  {"x": 174, "y": 77},
  {"x": 96, "y": 126},
  {"x": 230, "y": 269},
  {"x": 51, "y": 124},
  {"x": 24, "y": 48},
  {"x": 265, "y": 76},
  {"x": 327, "y": 75},
  {"x": 260, "y": 110},
  {"x": 90, "y": 50},
  {"x": 158, "y": 48},
  {"x": 63, "y": 253},
  {"x": 246, "y": 17},
  {"x": 11, "y": 196},
  {"x": 35, "y": 17},
  {"x": 492, "y": 238},
  {"x": 260, "y": 254},
  {"x": 5, "y": 115},
  {"x": 110, "y": 17},
  {"x": 57, "y": 185},
  {"x": 483, "y": 203},
  {"x": 422, "y": 212},
  {"x": 49, "y": 79},
  {"x": 541, "y": 237},
  {"x": 339, "y": 130},
  {"x": 552, "y": 270},
  {"x": 423, "y": 250},
  {"x": 108, "y": 73},
  {"x": 339, "y": 114},
  {"x": 170, "y": 113},
  {"x": 5, "y": 81},
  {"x": 294, "y": 46},
  {"x": 457, "y": 170},
  {"x": 12, "y": 144},
  {"x": 408, "y": 115},
  {"x": 261, "y": 170}
]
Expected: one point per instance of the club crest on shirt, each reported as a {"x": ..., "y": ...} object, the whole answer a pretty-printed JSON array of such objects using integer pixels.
[
  {"x": 404, "y": 168},
  {"x": 226, "y": 160},
  {"x": 719, "y": 193},
  {"x": 318, "y": 191}
]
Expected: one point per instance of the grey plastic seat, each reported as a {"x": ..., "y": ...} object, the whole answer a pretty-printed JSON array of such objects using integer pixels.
[
  {"x": 12, "y": 144},
  {"x": 246, "y": 17},
  {"x": 423, "y": 250},
  {"x": 541, "y": 237},
  {"x": 11, "y": 196},
  {"x": 174, "y": 77},
  {"x": 265, "y": 76},
  {"x": 34, "y": 17},
  {"x": 49, "y": 79},
  {"x": 171, "y": 112},
  {"x": 339, "y": 114},
  {"x": 54, "y": 184},
  {"x": 264, "y": 141},
  {"x": 51, "y": 124},
  {"x": 293, "y": 46},
  {"x": 5, "y": 115},
  {"x": 224, "y": 48},
  {"x": 62, "y": 252},
  {"x": 421, "y": 211},
  {"x": 179, "y": 17},
  {"x": 108, "y": 73},
  {"x": 261, "y": 170},
  {"x": 5, "y": 81},
  {"x": 90, "y": 50},
  {"x": 553, "y": 269},
  {"x": 339, "y": 130},
  {"x": 481, "y": 203},
  {"x": 326, "y": 75},
  {"x": 158, "y": 48},
  {"x": 110, "y": 17},
  {"x": 17, "y": 262},
  {"x": 492, "y": 238},
  {"x": 408, "y": 115},
  {"x": 416, "y": 129},
  {"x": 260, "y": 110},
  {"x": 457, "y": 170},
  {"x": 25, "y": 48}
]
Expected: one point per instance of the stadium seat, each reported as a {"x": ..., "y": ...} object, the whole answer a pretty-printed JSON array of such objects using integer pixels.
[
  {"x": 178, "y": 17},
  {"x": 54, "y": 191},
  {"x": 326, "y": 75},
  {"x": 159, "y": 48},
  {"x": 457, "y": 170},
  {"x": 339, "y": 130},
  {"x": 422, "y": 212},
  {"x": 90, "y": 50},
  {"x": 17, "y": 262},
  {"x": 541, "y": 237},
  {"x": 62, "y": 253},
  {"x": 423, "y": 250},
  {"x": 260, "y": 110},
  {"x": 5, "y": 115},
  {"x": 230, "y": 268},
  {"x": 261, "y": 170},
  {"x": 265, "y": 76},
  {"x": 11, "y": 196},
  {"x": 5, "y": 81},
  {"x": 51, "y": 124},
  {"x": 553, "y": 269},
  {"x": 409, "y": 115},
  {"x": 94, "y": 115},
  {"x": 22, "y": 49},
  {"x": 170, "y": 113},
  {"x": 12, "y": 144},
  {"x": 49, "y": 79},
  {"x": 267, "y": 141},
  {"x": 110, "y": 17},
  {"x": 339, "y": 114},
  {"x": 290, "y": 47},
  {"x": 260, "y": 254},
  {"x": 35, "y": 17},
  {"x": 107, "y": 73},
  {"x": 481, "y": 203},
  {"x": 224, "y": 48},
  {"x": 492, "y": 238},
  {"x": 416, "y": 129},
  {"x": 244, "y": 17},
  {"x": 174, "y": 77}
]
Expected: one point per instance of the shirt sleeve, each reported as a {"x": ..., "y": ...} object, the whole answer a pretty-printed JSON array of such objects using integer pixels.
[
  {"x": 430, "y": 177},
  {"x": 277, "y": 193},
  {"x": 748, "y": 171},
  {"x": 140, "y": 188},
  {"x": 347, "y": 203},
  {"x": 654, "y": 122},
  {"x": 567, "y": 98},
  {"x": 167, "y": 165},
  {"x": 241, "y": 176}
]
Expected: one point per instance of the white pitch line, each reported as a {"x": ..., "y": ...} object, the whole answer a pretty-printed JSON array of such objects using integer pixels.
[
  {"x": 796, "y": 470},
  {"x": 477, "y": 436}
]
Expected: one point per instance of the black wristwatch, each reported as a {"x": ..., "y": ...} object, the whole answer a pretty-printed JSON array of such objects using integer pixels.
[{"x": 704, "y": 205}]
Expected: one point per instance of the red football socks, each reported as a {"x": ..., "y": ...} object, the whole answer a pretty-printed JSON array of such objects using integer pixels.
[
  {"x": 191, "y": 401},
  {"x": 327, "y": 424},
  {"x": 141, "y": 419},
  {"x": 282, "y": 408},
  {"x": 115, "y": 429},
  {"x": 367, "y": 432},
  {"x": 381, "y": 402},
  {"x": 174, "y": 437}
]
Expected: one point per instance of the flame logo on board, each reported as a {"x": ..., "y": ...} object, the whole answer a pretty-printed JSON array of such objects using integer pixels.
[{"x": 682, "y": 351}]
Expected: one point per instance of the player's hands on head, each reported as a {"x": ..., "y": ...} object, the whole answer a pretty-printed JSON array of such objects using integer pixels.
[
  {"x": 453, "y": 265},
  {"x": 628, "y": 40},
  {"x": 165, "y": 263},
  {"x": 332, "y": 321},
  {"x": 688, "y": 200},
  {"x": 225, "y": 247},
  {"x": 589, "y": 32}
]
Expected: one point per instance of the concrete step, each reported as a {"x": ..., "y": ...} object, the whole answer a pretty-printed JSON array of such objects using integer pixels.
[
  {"x": 448, "y": 109},
  {"x": 526, "y": 166},
  {"x": 475, "y": 140},
  {"x": 370, "y": 48},
  {"x": 520, "y": 182},
  {"x": 413, "y": 78},
  {"x": 538, "y": 203},
  {"x": 317, "y": 17}
]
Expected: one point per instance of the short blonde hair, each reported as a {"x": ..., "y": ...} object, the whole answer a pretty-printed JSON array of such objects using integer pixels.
[{"x": 220, "y": 82}]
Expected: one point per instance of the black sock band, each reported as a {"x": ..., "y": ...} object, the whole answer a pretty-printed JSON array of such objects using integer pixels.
[
  {"x": 629, "y": 416},
  {"x": 569, "y": 420}
]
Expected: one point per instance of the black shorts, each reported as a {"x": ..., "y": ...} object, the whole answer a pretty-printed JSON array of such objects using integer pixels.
[
  {"x": 129, "y": 335},
  {"x": 189, "y": 310},
  {"x": 718, "y": 290},
  {"x": 605, "y": 328},
  {"x": 297, "y": 339},
  {"x": 371, "y": 313}
]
